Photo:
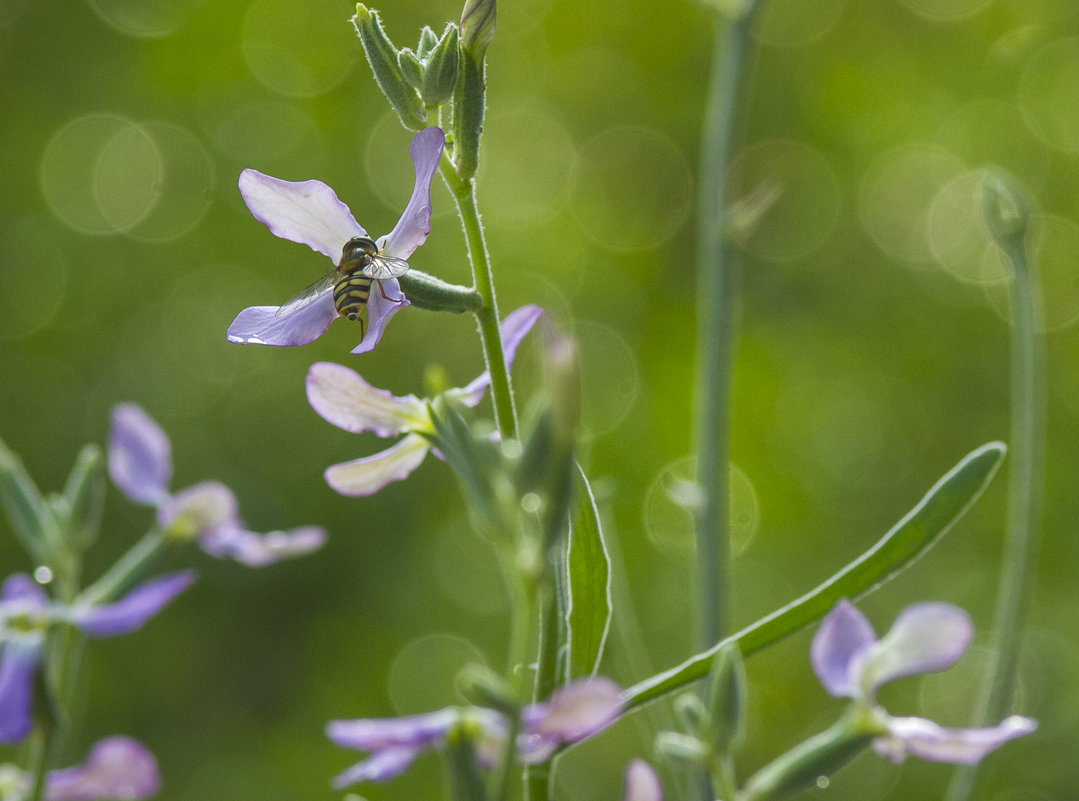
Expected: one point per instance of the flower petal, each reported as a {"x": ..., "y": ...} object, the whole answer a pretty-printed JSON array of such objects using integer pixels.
[
  {"x": 368, "y": 475},
  {"x": 575, "y": 711},
  {"x": 925, "y": 739},
  {"x": 376, "y": 734},
  {"x": 198, "y": 509},
  {"x": 20, "y": 592},
  {"x": 116, "y": 767},
  {"x": 380, "y": 310},
  {"x": 19, "y": 659},
  {"x": 307, "y": 212},
  {"x": 381, "y": 767},
  {"x": 140, "y": 457},
  {"x": 134, "y": 609},
  {"x": 259, "y": 550},
  {"x": 262, "y": 325},
  {"x": 642, "y": 784},
  {"x": 415, "y": 224},
  {"x": 843, "y": 637},
  {"x": 513, "y": 329},
  {"x": 925, "y": 638},
  {"x": 342, "y": 398}
]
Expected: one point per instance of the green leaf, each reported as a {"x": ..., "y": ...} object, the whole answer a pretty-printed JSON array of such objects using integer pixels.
[
  {"x": 26, "y": 509},
  {"x": 588, "y": 572},
  {"x": 911, "y": 537}
]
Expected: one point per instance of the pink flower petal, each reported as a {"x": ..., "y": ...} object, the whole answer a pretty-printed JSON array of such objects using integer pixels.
[{"x": 379, "y": 312}]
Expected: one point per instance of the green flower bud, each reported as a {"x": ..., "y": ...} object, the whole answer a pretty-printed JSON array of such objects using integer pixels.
[
  {"x": 411, "y": 68},
  {"x": 440, "y": 77},
  {"x": 84, "y": 494},
  {"x": 728, "y": 697},
  {"x": 483, "y": 687},
  {"x": 428, "y": 40},
  {"x": 477, "y": 28},
  {"x": 382, "y": 57}
]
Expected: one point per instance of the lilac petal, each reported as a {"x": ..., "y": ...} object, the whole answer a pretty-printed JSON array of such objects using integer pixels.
[
  {"x": 342, "y": 398},
  {"x": 307, "y": 212},
  {"x": 642, "y": 784},
  {"x": 199, "y": 509},
  {"x": 19, "y": 659},
  {"x": 259, "y": 550},
  {"x": 381, "y": 767},
  {"x": 415, "y": 224},
  {"x": 377, "y": 734},
  {"x": 140, "y": 457},
  {"x": 379, "y": 312},
  {"x": 513, "y": 329},
  {"x": 116, "y": 767},
  {"x": 843, "y": 638},
  {"x": 368, "y": 475},
  {"x": 925, "y": 638},
  {"x": 925, "y": 739},
  {"x": 20, "y": 593},
  {"x": 261, "y": 325},
  {"x": 575, "y": 711},
  {"x": 134, "y": 609}
]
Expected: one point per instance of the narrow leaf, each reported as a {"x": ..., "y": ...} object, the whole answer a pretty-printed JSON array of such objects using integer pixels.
[
  {"x": 588, "y": 572},
  {"x": 911, "y": 537},
  {"x": 25, "y": 508}
]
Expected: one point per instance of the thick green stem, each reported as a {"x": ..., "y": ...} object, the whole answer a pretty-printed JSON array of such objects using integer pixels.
[
  {"x": 1026, "y": 478},
  {"x": 717, "y": 305},
  {"x": 464, "y": 195}
]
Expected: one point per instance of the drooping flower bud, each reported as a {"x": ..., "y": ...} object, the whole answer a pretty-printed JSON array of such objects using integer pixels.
[{"x": 477, "y": 28}]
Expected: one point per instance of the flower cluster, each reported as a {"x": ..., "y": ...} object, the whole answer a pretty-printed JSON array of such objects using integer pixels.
[
  {"x": 140, "y": 463},
  {"x": 25, "y": 616},
  {"x": 852, "y": 663}
]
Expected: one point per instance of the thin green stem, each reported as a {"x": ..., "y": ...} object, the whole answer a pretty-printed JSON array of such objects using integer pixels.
[
  {"x": 717, "y": 303},
  {"x": 1025, "y": 487},
  {"x": 464, "y": 195}
]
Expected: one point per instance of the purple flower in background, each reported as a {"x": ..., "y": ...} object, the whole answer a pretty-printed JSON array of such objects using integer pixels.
[
  {"x": 852, "y": 663},
  {"x": 25, "y": 615},
  {"x": 641, "y": 783},
  {"x": 116, "y": 768},
  {"x": 573, "y": 713},
  {"x": 341, "y": 397},
  {"x": 140, "y": 463},
  {"x": 309, "y": 212}
]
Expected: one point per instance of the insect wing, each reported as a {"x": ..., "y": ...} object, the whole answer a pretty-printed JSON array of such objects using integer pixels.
[
  {"x": 308, "y": 295},
  {"x": 382, "y": 267}
]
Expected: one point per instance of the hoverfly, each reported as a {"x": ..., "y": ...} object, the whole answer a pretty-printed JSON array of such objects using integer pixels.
[{"x": 361, "y": 265}]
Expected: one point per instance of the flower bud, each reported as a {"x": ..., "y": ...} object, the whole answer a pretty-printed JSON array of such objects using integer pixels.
[
  {"x": 477, "y": 28},
  {"x": 440, "y": 75},
  {"x": 428, "y": 40},
  {"x": 382, "y": 56},
  {"x": 84, "y": 494},
  {"x": 411, "y": 68}
]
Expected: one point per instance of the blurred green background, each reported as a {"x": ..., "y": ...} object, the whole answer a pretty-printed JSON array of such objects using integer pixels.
[{"x": 873, "y": 355}]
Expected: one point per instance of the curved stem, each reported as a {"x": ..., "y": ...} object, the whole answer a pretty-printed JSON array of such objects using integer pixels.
[
  {"x": 1025, "y": 486},
  {"x": 464, "y": 195}
]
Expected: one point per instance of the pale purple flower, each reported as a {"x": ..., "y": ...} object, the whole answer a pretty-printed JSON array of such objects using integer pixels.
[
  {"x": 309, "y": 212},
  {"x": 341, "y": 397},
  {"x": 25, "y": 615},
  {"x": 641, "y": 783},
  {"x": 852, "y": 663},
  {"x": 140, "y": 463},
  {"x": 573, "y": 713},
  {"x": 116, "y": 768}
]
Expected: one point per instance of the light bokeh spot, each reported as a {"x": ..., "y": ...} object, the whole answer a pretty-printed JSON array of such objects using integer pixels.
[
  {"x": 673, "y": 497},
  {"x": 946, "y": 10},
  {"x": 610, "y": 378},
  {"x": 101, "y": 173},
  {"x": 792, "y": 23},
  {"x": 185, "y": 191},
  {"x": 1054, "y": 244},
  {"x": 34, "y": 283},
  {"x": 145, "y": 19},
  {"x": 1049, "y": 93},
  {"x": 958, "y": 235},
  {"x": 995, "y": 132},
  {"x": 299, "y": 49},
  {"x": 897, "y": 193},
  {"x": 458, "y": 554},
  {"x": 631, "y": 189},
  {"x": 783, "y": 199},
  {"x": 423, "y": 675},
  {"x": 525, "y": 186}
]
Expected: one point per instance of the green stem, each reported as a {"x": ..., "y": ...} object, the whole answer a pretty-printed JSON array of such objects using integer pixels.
[
  {"x": 464, "y": 195},
  {"x": 717, "y": 294},
  {"x": 1026, "y": 479},
  {"x": 128, "y": 568}
]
